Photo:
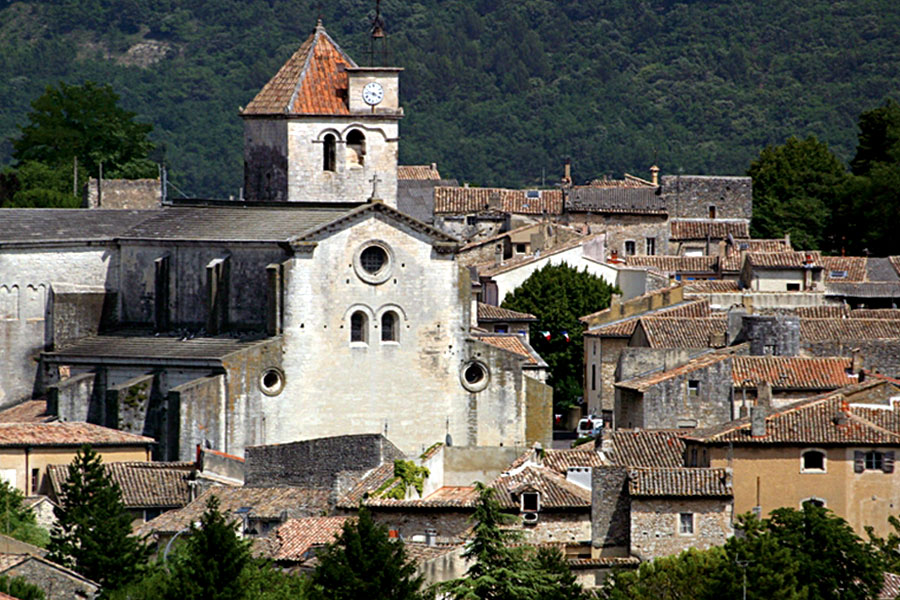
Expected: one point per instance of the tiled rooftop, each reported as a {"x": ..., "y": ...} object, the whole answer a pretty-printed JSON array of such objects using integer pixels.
[
  {"x": 679, "y": 482},
  {"x": 295, "y": 537},
  {"x": 640, "y": 199},
  {"x": 658, "y": 448},
  {"x": 311, "y": 82},
  {"x": 57, "y": 224},
  {"x": 715, "y": 229},
  {"x": 681, "y": 332},
  {"x": 792, "y": 372},
  {"x": 713, "y": 286},
  {"x": 645, "y": 382},
  {"x": 168, "y": 348},
  {"x": 489, "y": 312},
  {"x": 555, "y": 490},
  {"x": 785, "y": 260},
  {"x": 823, "y": 419},
  {"x": 418, "y": 172},
  {"x": 465, "y": 200},
  {"x": 444, "y": 497},
  {"x": 842, "y": 330},
  {"x": 853, "y": 268},
  {"x": 264, "y": 503},
  {"x": 514, "y": 343},
  {"x": 372, "y": 481},
  {"x": 66, "y": 434},
  {"x": 675, "y": 264},
  {"x": 625, "y": 327},
  {"x": 29, "y": 411},
  {"x": 143, "y": 484}
]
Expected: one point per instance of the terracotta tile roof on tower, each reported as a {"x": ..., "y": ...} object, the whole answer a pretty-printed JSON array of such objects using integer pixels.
[
  {"x": 312, "y": 81},
  {"x": 680, "y": 332},
  {"x": 844, "y": 268},
  {"x": 824, "y": 419},
  {"x": 647, "y": 448},
  {"x": 679, "y": 482},
  {"x": 555, "y": 490},
  {"x": 489, "y": 312},
  {"x": 825, "y": 330},
  {"x": 792, "y": 372},
  {"x": 143, "y": 484},
  {"x": 418, "y": 172},
  {"x": 463, "y": 200},
  {"x": 66, "y": 434},
  {"x": 715, "y": 229},
  {"x": 514, "y": 343},
  {"x": 295, "y": 537}
]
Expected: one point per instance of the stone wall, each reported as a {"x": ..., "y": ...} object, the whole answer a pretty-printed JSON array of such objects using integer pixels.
[
  {"x": 194, "y": 415},
  {"x": 56, "y": 582},
  {"x": 690, "y": 196},
  {"x": 777, "y": 335},
  {"x": 123, "y": 193},
  {"x": 882, "y": 356},
  {"x": 316, "y": 463},
  {"x": 450, "y": 524},
  {"x": 620, "y": 228},
  {"x": 538, "y": 412},
  {"x": 464, "y": 465},
  {"x": 655, "y": 525},
  {"x": 265, "y": 160},
  {"x": 610, "y": 511}
]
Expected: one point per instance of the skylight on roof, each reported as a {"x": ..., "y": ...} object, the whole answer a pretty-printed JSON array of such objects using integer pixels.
[{"x": 838, "y": 274}]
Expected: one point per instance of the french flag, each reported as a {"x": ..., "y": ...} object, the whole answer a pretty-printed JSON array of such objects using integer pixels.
[{"x": 546, "y": 335}]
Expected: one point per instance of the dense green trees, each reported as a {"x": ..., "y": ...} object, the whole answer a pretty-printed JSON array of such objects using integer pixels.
[
  {"x": 365, "y": 563},
  {"x": 19, "y": 587},
  {"x": 93, "y": 530},
  {"x": 497, "y": 92},
  {"x": 17, "y": 520},
  {"x": 558, "y": 296},
  {"x": 792, "y": 555}
]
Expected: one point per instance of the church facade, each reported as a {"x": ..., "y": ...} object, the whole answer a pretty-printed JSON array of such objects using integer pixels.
[{"x": 313, "y": 308}]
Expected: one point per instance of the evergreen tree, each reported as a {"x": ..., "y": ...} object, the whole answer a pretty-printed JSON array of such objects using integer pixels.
[
  {"x": 558, "y": 295},
  {"x": 365, "y": 563},
  {"x": 92, "y": 534},
  {"x": 501, "y": 570},
  {"x": 17, "y": 520},
  {"x": 212, "y": 562}
]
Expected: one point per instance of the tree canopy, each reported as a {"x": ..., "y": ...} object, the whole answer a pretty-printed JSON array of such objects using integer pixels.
[
  {"x": 17, "y": 520},
  {"x": 558, "y": 295},
  {"x": 92, "y": 534}
]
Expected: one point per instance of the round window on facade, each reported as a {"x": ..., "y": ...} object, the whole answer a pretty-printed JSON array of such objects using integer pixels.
[
  {"x": 374, "y": 262},
  {"x": 475, "y": 376},
  {"x": 271, "y": 382}
]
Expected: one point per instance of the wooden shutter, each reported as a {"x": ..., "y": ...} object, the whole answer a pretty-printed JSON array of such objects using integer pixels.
[
  {"x": 859, "y": 461},
  {"x": 887, "y": 464}
]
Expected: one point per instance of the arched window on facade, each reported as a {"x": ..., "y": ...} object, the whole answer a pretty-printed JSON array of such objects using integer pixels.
[
  {"x": 329, "y": 149},
  {"x": 359, "y": 325},
  {"x": 389, "y": 327},
  {"x": 356, "y": 147}
]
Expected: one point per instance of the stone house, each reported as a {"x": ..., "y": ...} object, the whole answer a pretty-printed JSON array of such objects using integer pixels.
[
  {"x": 472, "y": 213},
  {"x": 523, "y": 241},
  {"x": 54, "y": 580},
  {"x": 704, "y": 237},
  {"x": 836, "y": 449},
  {"x": 28, "y": 449},
  {"x": 496, "y": 319},
  {"x": 415, "y": 190}
]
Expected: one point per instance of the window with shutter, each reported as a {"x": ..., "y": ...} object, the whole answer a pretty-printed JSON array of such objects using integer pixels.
[
  {"x": 859, "y": 461},
  {"x": 887, "y": 465}
]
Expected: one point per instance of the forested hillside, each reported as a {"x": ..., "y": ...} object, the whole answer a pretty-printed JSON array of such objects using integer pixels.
[{"x": 495, "y": 91}]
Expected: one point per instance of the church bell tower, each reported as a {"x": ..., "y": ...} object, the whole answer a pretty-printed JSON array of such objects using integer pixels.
[{"x": 324, "y": 129}]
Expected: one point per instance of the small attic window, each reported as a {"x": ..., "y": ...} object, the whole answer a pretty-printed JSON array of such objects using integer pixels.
[
  {"x": 531, "y": 501},
  {"x": 838, "y": 274}
]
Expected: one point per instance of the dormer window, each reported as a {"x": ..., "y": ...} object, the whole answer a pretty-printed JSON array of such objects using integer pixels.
[{"x": 530, "y": 501}]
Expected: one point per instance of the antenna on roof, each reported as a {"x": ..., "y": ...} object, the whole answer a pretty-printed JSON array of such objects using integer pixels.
[{"x": 377, "y": 35}]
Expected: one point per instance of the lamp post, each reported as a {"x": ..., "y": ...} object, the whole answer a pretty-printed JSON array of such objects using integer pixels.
[{"x": 743, "y": 565}]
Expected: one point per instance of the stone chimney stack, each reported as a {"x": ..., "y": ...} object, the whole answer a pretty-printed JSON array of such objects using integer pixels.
[
  {"x": 758, "y": 421},
  {"x": 856, "y": 363},
  {"x": 654, "y": 175},
  {"x": 567, "y": 172},
  {"x": 764, "y": 394}
]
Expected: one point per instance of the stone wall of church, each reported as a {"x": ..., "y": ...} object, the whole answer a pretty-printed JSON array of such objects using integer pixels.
[
  {"x": 351, "y": 181},
  {"x": 265, "y": 160},
  {"x": 26, "y": 275}
]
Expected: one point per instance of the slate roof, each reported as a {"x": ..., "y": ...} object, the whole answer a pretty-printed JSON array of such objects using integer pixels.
[
  {"x": 241, "y": 223},
  {"x": 143, "y": 484},
  {"x": 264, "y": 503},
  {"x": 418, "y": 172},
  {"x": 785, "y": 260},
  {"x": 823, "y": 419},
  {"x": 555, "y": 490},
  {"x": 829, "y": 330},
  {"x": 29, "y": 411},
  {"x": 700, "y": 229},
  {"x": 107, "y": 348},
  {"x": 512, "y": 342},
  {"x": 641, "y": 200},
  {"x": 69, "y": 434},
  {"x": 659, "y": 448},
  {"x": 463, "y": 200},
  {"x": 44, "y": 225},
  {"x": 311, "y": 82},
  {"x": 645, "y": 382},
  {"x": 792, "y": 372},
  {"x": 675, "y": 264},
  {"x": 295, "y": 537},
  {"x": 490, "y": 313},
  {"x": 679, "y": 482},
  {"x": 682, "y": 332}
]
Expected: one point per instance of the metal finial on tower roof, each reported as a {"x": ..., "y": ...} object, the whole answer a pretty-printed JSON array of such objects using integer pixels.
[
  {"x": 319, "y": 26},
  {"x": 377, "y": 32}
]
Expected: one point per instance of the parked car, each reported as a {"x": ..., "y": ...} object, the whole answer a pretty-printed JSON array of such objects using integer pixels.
[{"x": 589, "y": 425}]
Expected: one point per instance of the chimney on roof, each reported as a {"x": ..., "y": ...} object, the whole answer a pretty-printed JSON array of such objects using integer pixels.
[
  {"x": 856, "y": 362},
  {"x": 787, "y": 240},
  {"x": 537, "y": 454},
  {"x": 764, "y": 394},
  {"x": 758, "y": 421},
  {"x": 654, "y": 175},
  {"x": 567, "y": 170}
]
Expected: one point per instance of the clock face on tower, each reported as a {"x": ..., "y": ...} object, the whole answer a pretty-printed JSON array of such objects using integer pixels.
[{"x": 373, "y": 93}]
